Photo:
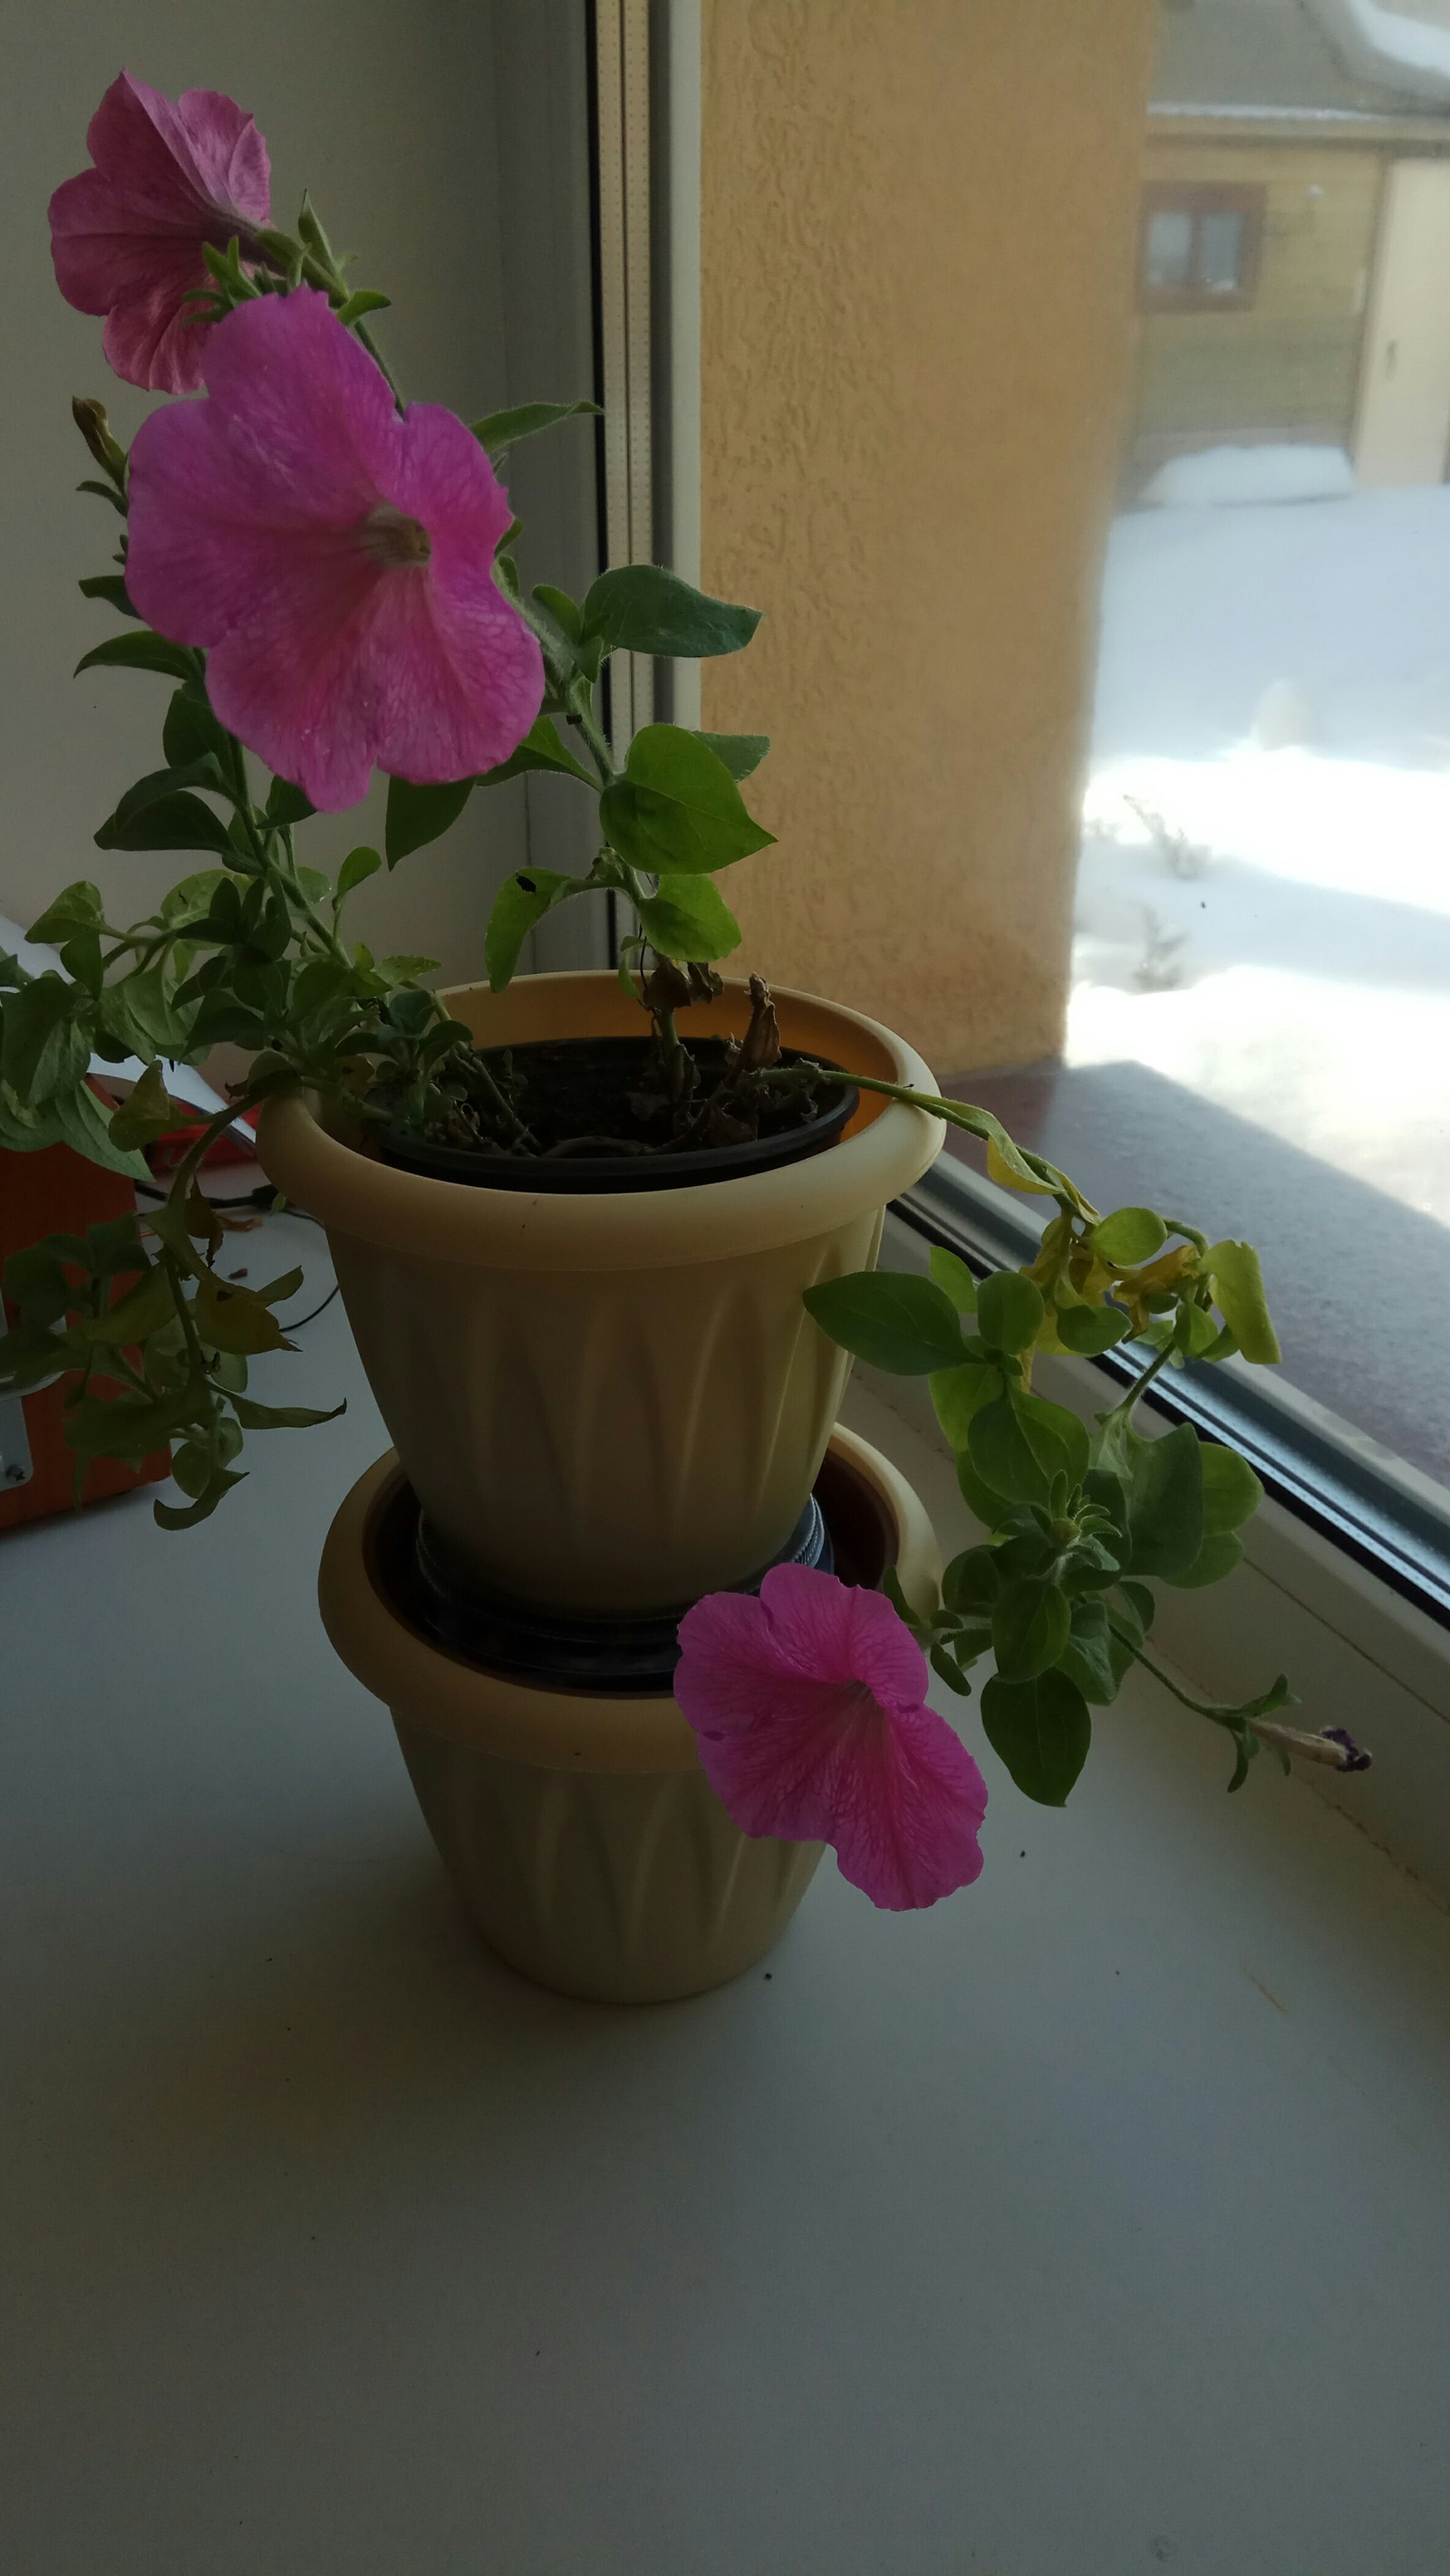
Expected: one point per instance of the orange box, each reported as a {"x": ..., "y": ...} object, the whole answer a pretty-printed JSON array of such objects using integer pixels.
[{"x": 59, "y": 1192}]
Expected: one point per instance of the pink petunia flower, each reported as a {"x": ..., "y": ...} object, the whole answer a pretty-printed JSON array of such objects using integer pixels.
[
  {"x": 809, "y": 1704},
  {"x": 127, "y": 236},
  {"x": 334, "y": 559}
]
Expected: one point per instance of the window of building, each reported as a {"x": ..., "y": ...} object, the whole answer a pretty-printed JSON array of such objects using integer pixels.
[{"x": 1199, "y": 247}]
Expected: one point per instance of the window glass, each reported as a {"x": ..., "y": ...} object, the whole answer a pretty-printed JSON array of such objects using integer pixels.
[
  {"x": 1257, "y": 1025},
  {"x": 1170, "y": 247},
  {"x": 1220, "y": 251}
]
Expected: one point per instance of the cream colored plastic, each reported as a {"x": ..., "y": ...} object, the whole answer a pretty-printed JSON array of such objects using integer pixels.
[
  {"x": 610, "y": 1401},
  {"x": 581, "y": 1833}
]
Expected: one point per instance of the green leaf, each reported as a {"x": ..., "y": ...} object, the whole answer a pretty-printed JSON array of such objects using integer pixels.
[
  {"x": 29, "y": 1356},
  {"x": 143, "y": 652},
  {"x": 677, "y": 811},
  {"x": 36, "y": 1282},
  {"x": 1009, "y": 1310},
  {"x": 191, "y": 730},
  {"x": 1030, "y": 1626},
  {"x": 1041, "y": 1730},
  {"x": 133, "y": 1427},
  {"x": 172, "y": 1516},
  {"x": 417, "y": 815},
  {"x": 111, "y": 587},
  {"x": 949, "y": 1661},
  {"x": 86, "y": 1127},
  {"x": 1165, "y": 1503},
  {"x": 956, "y": 1394},
  {"x": 357, "y": 867},
  {"x": 229, "y": 1317},
  {"x": 1140, "y": 1603},
  {"x": 498, "y": 431},
  {"x": 1238, "y": 1287},
  {"x": 990, "y": 1508},
  {"x": 952, "y": 1275},
  {"x": 143, "y": 1310},
  {"x": 890, "y": 1320},
  {"x": 688, "y": 917},
  {"x": 147, "y": 1115},
  {"x": 288, "y": 804},
  {"x": 1020, "y": 1443},
  {"x": 280, "y": 1417},
  {"x": 179, "y": 822},
  {"x": 1232, "y": 1492},
  {"x": 410, "y": 1012},
  {"x": 44, "y": 1051},
  {"x": 741, "y": 752},
  {"x": 542, "y": 748},
  {"x": 1128, "y": 1236},
  {"x": 1220, "y": 1552},
  {"x": 404, "y": 968},
  {"x": 972, "y": 1581},
  {"x": 362, "y": 301},
  {"x": 76, "y": 907},
  {"x": 105, "y": 492},
  {"x": 1195, "y": 1332},
  {"x": 1087, "y": 1658},
  {"x": 565, "y": 612},
  {"x": 143, "y": 1010},
  {"x": 1090, "y": 1329},
  {"x": 640, "y": 608},
  {"x": 521, "y": 901},
  {"x": 186, "y": 906},
  {"x": 203, "y": 771}
]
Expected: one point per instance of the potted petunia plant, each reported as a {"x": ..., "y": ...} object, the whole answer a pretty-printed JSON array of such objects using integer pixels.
[{"x": 606, "y": 1241}]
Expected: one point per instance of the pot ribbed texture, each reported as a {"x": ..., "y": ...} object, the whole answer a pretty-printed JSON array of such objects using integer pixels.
[
  {"x": 580, "y": 1832},
  {"x": 610, "y": 1402}
]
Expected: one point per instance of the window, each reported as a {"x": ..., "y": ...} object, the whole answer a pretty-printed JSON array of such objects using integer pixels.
[
  {"x": 1259, "y": 1005},
  {"x": 1199, "y": 246}
]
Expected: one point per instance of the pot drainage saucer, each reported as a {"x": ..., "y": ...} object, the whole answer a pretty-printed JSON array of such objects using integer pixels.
[{"x": 422, "y": 1580}]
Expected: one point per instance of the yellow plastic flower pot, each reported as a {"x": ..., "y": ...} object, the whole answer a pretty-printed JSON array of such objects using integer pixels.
[
  {"x": 580, "y": 1830},
  {"x": 610, "y": 1401}
]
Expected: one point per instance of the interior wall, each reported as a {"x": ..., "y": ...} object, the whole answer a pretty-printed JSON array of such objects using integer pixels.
[
  {"x": 388, "y": 110},
  {"x": 917, "y": 258}
]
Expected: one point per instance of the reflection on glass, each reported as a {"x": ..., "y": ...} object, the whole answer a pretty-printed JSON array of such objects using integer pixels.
[
  {"x": 1170, "y": 247},
  {"x": 1220, "y": 252},
  {"x": 1259, "y": 1013}
]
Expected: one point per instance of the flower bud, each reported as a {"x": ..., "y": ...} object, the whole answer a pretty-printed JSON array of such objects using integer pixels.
[{"x": 90, "y": 419}]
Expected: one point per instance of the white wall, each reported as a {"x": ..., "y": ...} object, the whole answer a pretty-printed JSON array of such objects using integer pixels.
[{"x": 389, "y": 111}]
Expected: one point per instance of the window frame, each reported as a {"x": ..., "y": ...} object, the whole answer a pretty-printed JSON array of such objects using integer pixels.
[{"x": 1197, "y": 198}]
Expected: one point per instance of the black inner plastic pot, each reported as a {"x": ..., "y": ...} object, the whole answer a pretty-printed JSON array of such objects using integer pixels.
[
  {"x": 580, "y": 1087},
  {"x": 844, "y": 1529}
]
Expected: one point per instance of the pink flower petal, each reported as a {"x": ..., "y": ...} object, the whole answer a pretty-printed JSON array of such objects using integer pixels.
[
  {"x": 251, "y": 528},
  {"x": 127, "y": 236},
  {"x": 809, "y": 1707}
]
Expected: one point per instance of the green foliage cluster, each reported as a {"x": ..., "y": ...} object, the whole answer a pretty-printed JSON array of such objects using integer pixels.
[
  {"x": 1080, "y": 1525},
  {"x": 251, "y": 949}
]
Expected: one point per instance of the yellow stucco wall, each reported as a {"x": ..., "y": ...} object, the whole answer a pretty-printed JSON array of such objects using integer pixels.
[
  {"x": 918, "y": 230},
  {"x": 1289, "y": 363}
]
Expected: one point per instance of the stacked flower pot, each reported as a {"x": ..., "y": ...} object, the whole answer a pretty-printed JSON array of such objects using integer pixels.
[{"x": 605, "y": 1402}]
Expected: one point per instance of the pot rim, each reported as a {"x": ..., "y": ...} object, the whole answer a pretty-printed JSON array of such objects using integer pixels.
[
  {"x": 886, "y": 1147},
  {"x": 553, "y": 1730}
]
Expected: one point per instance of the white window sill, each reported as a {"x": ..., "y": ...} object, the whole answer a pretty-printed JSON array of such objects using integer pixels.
[{"x": 1094, "y": 2220}]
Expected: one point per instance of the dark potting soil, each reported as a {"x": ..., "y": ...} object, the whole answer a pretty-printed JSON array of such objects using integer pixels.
[{"x": 593, "y": 1108}]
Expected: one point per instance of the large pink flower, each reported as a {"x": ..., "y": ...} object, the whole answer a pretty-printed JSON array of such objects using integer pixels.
[
  {"x": 809, "y": 1704},
  {"x": 127, "y": 236},
  {"x": 334, "y": 559}
]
